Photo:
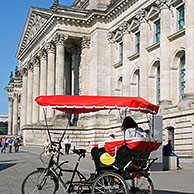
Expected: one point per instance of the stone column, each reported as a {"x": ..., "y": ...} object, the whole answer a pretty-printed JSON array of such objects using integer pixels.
[
  {"x": 29, "y": 93},
  {"x": 10, "y": 116},
  {"x": 84, "y": 77},
  {"x": 23, "y": 119},
  {"x": 112, "y": 55},
  {"x": 60, "y": 63},
  {"x": 15, "y": 115},
  {"x": 75, "y": 77},
  {"x": 43, "y": 79},
  {"x": 126, "y": 62},
  {"x": 36, "y": 90},
  {"x": 144, "y": 42},
  {"x": 51, "y": 75},
  {"x": 75, "y": 70},
  {"x": 189, "y": 48},
  {"x": 165, "y": 50}
]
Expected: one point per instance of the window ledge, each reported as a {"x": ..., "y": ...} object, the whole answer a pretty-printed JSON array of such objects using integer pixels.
[
  {"x": 117, "y": 65},
  {"x": 153, "y": 46},
  {"x": 133, "y": 57},
  {"x": 176, "y": 35}
]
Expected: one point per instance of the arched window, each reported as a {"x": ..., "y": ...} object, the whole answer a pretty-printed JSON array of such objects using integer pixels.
[
  {"x": 154, "y": 81},
  {"x": 119, "y": 86},
  {"x": 135, "y": 83},
  {"x": 182, "y": 77},
  {"x": 178, "y": 76},
  {"x": 158, "y": 84},
  {"x": 138, "y": 84},
  {"x": 170, "y": 134}
]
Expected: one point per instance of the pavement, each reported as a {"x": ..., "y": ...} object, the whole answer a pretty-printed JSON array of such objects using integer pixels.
[{"x": 14, "y": 167}]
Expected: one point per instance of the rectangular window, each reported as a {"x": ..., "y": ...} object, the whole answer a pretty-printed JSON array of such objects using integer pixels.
[
  {"x": 157, "y": 31},
  {"x": 181, "y": 17},
  {"x": 121, "y": 52},
  {"x": 137, "y": 42}
]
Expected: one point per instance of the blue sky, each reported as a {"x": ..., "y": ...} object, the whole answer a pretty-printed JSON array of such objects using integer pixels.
[{"x": 13, "y": 16}]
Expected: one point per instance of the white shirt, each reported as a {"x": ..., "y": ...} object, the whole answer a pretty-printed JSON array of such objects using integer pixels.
[
  {"x": 67, "y": 141},
  {"x": 134, "y": 132}
]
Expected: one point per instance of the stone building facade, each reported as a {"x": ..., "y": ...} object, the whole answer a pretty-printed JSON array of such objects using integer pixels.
[{"x": 109, "y": 47}]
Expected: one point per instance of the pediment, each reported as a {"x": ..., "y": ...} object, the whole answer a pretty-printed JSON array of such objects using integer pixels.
[
  {"x": 37, "y": 17},
  {"x": 154, "y": 11},
  {"x": 134, "y": 25},
  {"x": 176, "y": 2},
  {"x": 118, "y": 36}
]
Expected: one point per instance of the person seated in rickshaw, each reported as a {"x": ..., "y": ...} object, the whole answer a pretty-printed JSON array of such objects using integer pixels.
[{"x": 131, "y": 129}]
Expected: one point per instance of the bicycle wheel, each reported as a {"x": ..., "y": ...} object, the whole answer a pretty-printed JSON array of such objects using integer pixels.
[
  {"x": 142, "y": 185},
  {"x": 110, "y": 183},
  {"x": 37, "y": 182}
]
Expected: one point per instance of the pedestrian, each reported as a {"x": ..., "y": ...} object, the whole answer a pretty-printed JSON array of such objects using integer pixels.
[
  {"x": 67, "y": 143},
  {"x": 10, "y": 143},
  {"x": 3, "y": 145},
  {"x": 47, "y": 147},
  {"x": 168, "y": 151},
  {"x": 16, "y": 144}
]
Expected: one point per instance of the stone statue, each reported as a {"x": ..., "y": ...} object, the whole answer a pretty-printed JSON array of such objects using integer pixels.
[
  {"x": 54, "y": 6},
  {"x": 56, "y": 2},
  {"x": 11, "y": 77}
]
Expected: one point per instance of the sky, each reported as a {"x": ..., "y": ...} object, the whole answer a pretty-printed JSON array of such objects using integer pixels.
[{"x": 13, "y": 16}]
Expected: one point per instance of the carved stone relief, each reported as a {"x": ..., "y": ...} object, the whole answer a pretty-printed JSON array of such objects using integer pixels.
[
  {"x": 141, "y": 15},
  {"x": 85, "y": 42},
  {"x": 60, "y": 38},
  {"x": 37, "y": 23}
]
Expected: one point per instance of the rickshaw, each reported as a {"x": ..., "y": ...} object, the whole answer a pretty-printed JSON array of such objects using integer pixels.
[{"x": 122, "y": 166}]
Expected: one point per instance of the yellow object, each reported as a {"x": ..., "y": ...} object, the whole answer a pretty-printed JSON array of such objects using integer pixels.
[{"x": 107, "y": 159}]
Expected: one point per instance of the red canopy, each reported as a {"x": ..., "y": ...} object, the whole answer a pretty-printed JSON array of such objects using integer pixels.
[{"x": 84, "y": 104}]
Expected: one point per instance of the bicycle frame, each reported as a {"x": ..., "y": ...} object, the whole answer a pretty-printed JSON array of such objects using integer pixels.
[{"x": 54, "y": 166}]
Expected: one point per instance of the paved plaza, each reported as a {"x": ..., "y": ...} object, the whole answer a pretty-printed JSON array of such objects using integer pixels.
[{"x": 15, "y": 166}]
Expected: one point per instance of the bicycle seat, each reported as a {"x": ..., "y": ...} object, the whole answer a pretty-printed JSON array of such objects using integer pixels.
[{"x": 79, "y": 151}]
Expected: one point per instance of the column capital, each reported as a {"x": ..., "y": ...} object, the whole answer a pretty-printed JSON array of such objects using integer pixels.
[
  {"x": 60, "y": 39},
  {"x": 163, "y": 4},
  {"x": 24, "y": 72},
  {"x": 10, "y": 99},
  {"x": 50, "y": 47},
  {"x": 124, "y": 26},
  {"x": 110, "y": 37},
  {"x": 15, "y": 95},
  {"x": 30, "y": 66},
  {"x": 141, "y": 16},
  {"x": 36, "y": 62},
  {"x": 42, "y": 54},
  {"x": 85, "y": 42}
]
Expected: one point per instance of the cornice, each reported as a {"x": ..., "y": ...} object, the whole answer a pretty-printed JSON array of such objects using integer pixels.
[
  {"x": 69, "y": 16},
  {"x": 117, "y": 65},
  {"x": 176, "y": 35},
  {"x": 134, "y": 56},
  {"x": 153, "y": 47}
]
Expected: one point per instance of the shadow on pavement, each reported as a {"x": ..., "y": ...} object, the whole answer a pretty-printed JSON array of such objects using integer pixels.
[
  {"x": 168, "y": 192},
  {"x": 5, "y": 166},
  {"x": 3, "y": 161}
]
